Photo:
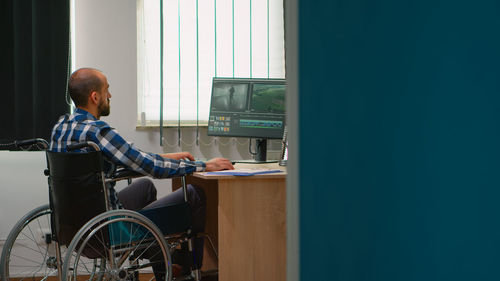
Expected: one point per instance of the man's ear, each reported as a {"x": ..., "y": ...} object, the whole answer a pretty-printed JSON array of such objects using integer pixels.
[{"x": 94, "y": 97}]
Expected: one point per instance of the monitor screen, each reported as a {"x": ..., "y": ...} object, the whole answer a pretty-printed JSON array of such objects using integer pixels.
[{"x": 247, "y": 108}]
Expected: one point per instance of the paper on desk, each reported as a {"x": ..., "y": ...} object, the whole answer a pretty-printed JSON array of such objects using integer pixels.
[{"x": 244, "y": 172}]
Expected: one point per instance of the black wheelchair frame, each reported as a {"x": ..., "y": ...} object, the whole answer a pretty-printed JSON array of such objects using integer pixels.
[{"x": 78, "y": 236}]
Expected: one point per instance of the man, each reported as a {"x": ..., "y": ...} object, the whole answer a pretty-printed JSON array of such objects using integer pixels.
[{"x": 89, "y": 90}]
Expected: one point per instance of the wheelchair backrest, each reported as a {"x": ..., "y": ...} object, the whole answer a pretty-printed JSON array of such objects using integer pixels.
[{"x": 77, "y": 192}]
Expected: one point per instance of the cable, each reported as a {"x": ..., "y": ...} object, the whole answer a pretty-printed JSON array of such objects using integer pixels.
[
  {"x": 161, "y": 72},
  {"x": 215, "y": 38},
  {"x": 241, "y": 143},
  {"x": 37, "y": 146},
  {"x": 222, "y": 143},
  {"x": 179, "y": 48},
  {"x": 7, "y": 144},
  {"x": 197, "y": 80},
  {"x": 250, "y": 148},
  {"x": 68, "y": 70},
  {"x": 14, "y": 146},
  {"x": 178, "y": 143},
  {"x": 251, "y": 60},
  {"x": 168, "y": 144},
  {"x": 188, "y": 144},
  {"x": 210, "y": 143}
]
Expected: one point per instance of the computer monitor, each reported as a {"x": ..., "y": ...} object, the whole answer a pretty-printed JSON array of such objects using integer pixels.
[{"x": 253, "y": 108}]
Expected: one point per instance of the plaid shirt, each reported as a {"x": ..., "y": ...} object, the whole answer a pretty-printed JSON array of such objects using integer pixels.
[{"x": 82, "y": 126}]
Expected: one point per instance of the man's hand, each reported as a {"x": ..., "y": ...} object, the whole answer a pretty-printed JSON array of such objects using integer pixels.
[
  {"x": 179, "y": 156},
  {"x": 218, "y": 164}
]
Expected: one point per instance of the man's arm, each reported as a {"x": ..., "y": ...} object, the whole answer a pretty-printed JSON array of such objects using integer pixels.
[
  {"x": 179, "y": 156},
  {"x": 123, "y": 153},
  {"x": 215, "y": 164},
  {"x": 218, "y": 164}
]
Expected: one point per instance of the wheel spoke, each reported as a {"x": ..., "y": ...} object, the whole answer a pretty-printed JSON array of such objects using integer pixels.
[
  {"x": 128, "y": 255},
  {"x": 32, "y": 235}
]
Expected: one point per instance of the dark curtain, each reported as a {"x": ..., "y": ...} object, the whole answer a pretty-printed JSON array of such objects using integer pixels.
[{"x": 34, "y": 65}]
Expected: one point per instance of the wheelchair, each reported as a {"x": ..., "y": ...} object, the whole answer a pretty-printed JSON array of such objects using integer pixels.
[{"x": 79, "y": 236}]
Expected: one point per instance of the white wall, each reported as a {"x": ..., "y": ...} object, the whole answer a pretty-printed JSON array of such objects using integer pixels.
[
  {"x": 105, "y": 38},
  {"x": 105, "y": 35},
  {"x": 22, "y": 185}
]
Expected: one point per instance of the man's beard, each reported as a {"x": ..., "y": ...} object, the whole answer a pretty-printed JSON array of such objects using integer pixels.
[{"x": 104, "y": 108}]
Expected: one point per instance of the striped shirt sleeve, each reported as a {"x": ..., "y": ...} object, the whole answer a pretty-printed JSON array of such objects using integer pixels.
[{"x": 126, "y": 154}]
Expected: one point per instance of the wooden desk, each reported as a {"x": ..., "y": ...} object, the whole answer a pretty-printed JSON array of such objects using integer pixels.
[{"x": 246, "y": 216}]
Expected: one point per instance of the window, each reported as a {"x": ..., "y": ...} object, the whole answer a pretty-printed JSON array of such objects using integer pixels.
[{"x": 203, "y": 39}]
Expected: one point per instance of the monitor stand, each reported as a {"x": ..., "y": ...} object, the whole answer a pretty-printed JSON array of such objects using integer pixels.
[
  {"x": 260, "y": 157},
  {"x": 261, "y": 145}
]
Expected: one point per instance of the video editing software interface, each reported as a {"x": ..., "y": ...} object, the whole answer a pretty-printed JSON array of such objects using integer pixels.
[{"x": 247, "y": 108}]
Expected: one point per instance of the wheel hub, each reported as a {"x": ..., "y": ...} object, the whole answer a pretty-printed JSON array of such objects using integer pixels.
[
  {"x": 122, "y": 274},
  {"x": 52, "y": 262}
]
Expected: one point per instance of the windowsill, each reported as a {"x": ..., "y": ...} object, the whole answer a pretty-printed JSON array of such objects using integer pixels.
[{"x": 170, "y": 124}]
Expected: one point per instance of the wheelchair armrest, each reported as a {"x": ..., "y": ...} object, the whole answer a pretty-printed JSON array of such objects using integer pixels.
[
  {"x": 124, "y": 173},
  {"x": 29, "y": 142},
  {"x": 80, "y": 145}
]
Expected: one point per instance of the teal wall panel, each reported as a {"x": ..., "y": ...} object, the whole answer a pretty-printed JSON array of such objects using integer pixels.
[{"x": 399, "y": 107}]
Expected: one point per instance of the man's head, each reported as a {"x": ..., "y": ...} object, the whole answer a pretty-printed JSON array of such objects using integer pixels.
[{"x": 89, "y": 90}]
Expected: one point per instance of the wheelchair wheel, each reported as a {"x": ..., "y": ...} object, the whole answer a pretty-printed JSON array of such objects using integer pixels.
[
  {"x": 133, "y": 247},
  {"x": 29, "y": 252}
]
